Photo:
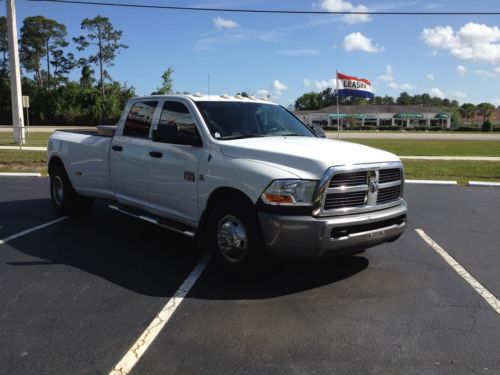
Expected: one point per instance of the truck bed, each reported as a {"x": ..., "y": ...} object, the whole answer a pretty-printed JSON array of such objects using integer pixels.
[{"x": 86, "y": 159}]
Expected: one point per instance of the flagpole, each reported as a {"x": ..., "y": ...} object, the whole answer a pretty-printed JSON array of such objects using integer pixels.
[{"x": 337, "y": 92}]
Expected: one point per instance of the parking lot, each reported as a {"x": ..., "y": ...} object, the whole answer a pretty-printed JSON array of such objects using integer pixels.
[{"x": 75, "y": 295}]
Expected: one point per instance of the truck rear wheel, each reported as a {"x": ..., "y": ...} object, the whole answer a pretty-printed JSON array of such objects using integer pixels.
[
  {"x": 235, "y": 237},
  {"x": 65, "y": 199}
]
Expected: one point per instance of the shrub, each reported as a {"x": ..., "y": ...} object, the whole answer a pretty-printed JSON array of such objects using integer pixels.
[
  {"x": 466, "y": 129},
  {"x": 486, "y": 127}
]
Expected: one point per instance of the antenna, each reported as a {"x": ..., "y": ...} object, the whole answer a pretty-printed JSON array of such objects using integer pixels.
[{"x": 208, "y": 86}]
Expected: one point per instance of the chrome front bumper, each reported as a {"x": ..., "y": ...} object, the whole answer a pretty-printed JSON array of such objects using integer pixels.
[{"x": 308, "y": 236}]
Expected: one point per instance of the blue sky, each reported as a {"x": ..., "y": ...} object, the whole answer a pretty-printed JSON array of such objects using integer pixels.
[{"x": 456, "y": 57}]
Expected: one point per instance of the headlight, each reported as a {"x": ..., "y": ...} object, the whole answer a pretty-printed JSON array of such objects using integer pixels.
[{"x": 289, "y": 193}]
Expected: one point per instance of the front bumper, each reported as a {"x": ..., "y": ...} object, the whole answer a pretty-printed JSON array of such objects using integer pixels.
[{"x": 308, "y": 236}]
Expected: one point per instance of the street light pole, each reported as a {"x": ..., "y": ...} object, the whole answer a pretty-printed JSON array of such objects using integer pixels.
[{"x": 15, "y": 75}]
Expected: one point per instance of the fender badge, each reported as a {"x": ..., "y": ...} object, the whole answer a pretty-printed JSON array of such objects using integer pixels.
[{"x": 189, "y": 176}]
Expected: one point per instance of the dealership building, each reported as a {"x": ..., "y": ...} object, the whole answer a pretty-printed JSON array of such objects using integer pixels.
[{"x": 406, "y": 116}]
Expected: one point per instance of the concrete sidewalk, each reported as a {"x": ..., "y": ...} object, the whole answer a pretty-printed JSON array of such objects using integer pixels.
[
  {"x": 25, "y": 148},
  {"x": 467, "y": 158},
  {"x": 417, "y": 135}
]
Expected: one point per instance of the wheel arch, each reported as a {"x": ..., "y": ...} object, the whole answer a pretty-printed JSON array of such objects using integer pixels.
[
  {"x": 219, "y": 194},
  {"x": 53, "y": 162}
]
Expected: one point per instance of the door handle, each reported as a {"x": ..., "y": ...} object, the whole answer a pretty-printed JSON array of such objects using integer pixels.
[
  {"x": 155, "y": 154},
  {"x": 117, "y": 148}
]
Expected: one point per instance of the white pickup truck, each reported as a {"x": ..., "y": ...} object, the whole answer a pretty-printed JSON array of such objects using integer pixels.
[{"x": 244, "y": 176}]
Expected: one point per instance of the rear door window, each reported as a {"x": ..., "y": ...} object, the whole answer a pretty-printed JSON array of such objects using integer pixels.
[{"x": 139, "y": 119}]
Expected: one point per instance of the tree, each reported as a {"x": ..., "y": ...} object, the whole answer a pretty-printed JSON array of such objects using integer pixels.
[
  {"x": 4, "y": 46},
  {"x": 327, "y": 97},
  {"x": 485, "y": 110},
  {"x": 43, "y": 38},
  {"x": 467, "y": 110},
  {"x": 309, "y": 101},
  {"x": 403, "y": 99},
  {"x": 167, "y": 83},
  {"x": 86, "y": 79},
  {"x": 100, "y": 33}
]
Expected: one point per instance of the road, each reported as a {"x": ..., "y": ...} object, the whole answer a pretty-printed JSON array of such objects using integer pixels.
[
  {"x": 419, "y": 135},
  {"x": 75, "y": 295}
]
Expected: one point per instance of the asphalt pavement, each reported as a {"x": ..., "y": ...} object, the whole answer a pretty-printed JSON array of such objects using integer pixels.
[{"x": 74, "y": 296}]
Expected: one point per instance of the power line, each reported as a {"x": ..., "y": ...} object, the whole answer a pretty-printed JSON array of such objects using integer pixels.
[{"x": 269, "y": 11}]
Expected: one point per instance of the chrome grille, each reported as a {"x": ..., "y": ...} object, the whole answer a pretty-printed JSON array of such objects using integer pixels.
[
  {"x": 335, "y": 201},
  {"x": 361, "y": 188},
  {"x": 389, "y": 175},
  {"x": 388, "y": 194},
  {"x": 349, "y": 179}
]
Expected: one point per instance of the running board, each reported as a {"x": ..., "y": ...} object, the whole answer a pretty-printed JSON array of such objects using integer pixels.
[{"x": 167, "y": 224}]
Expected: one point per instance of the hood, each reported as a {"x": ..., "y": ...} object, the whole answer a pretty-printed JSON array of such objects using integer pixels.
[{"x": 307, "y": 157}]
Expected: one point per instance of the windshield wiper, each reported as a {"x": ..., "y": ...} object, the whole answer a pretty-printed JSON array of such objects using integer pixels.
[
  {"x": 290, "y": 135},
  {"x": 229, "y": 137}
]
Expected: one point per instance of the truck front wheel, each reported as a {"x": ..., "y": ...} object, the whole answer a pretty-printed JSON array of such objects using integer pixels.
[
  {"x": 65, "y": 199},
  {"x": 235, "y": 237}
]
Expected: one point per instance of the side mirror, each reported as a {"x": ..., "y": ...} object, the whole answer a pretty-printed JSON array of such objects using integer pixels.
[{"x": 318, "y": 130}]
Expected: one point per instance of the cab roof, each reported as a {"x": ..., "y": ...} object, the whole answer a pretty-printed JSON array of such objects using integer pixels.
[{"x": 197, "y": 97}]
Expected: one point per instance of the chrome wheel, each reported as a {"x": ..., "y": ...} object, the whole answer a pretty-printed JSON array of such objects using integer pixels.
[
  {"x": 58, "y": 190},
  {"x": 232, "y": 238}
]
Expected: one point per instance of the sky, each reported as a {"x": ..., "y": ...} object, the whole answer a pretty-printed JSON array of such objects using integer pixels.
[{"x": 457, "y": 57}]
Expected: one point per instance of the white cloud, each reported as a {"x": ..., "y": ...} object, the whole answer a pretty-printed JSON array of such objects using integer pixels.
[
  {"x": 473, "y": 41},
  {"x": 440, "y": 37},
  {"x": 298, "y": 52},
  {"x": 459, "y": 94},
  {"x": 496, "y": 102},
  {"x": 485, "y": 73},
  {"x": 497, "y": 69},
  {"x": 263, "y": 93},
  {"x": 319, "y": 85},
  {"x": 430, "y": 77},
  {"x": 359, "y": 42},
  {"x": 346, "y": 6},
  {"x": 434, "y": 91},
  {"x": 401, "y": 86},
  {"x": 461, "y": 70},
  {"x": 387, "y": 76},
  {"x": 222, "y": 23},
  {"x": 279, "y": 86}
]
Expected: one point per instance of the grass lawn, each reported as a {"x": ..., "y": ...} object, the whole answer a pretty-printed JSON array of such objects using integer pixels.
[
  {"x": 23, "y": 161},
  {"x": 32, "y": 139},
  {"x": 462, "y": 171},
  {"x": 432, "y": 147}
]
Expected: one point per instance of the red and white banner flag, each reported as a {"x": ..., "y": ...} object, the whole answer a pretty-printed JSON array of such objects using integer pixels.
[{"x": 353, "y": 86}]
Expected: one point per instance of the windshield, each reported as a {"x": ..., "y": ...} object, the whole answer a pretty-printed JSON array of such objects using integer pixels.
[{"x": 233, "y": 120}]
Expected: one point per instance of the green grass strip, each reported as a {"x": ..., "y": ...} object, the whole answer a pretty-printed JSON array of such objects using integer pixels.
[{"x": 432, "y": 147}]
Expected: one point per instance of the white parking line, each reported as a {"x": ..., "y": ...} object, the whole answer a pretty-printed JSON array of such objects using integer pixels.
[
  {"x": 431, "y": 182},
  {"x": 478, "y": 287},
  {"x": 27, "y": 231},
  {"x": 142, "y": 344},
  {"x": 20, "y": 174},
  {"x": 483, "y": 183}
]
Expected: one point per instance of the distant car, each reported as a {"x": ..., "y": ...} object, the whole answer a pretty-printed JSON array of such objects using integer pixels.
[{"x": 244, "y": 176}]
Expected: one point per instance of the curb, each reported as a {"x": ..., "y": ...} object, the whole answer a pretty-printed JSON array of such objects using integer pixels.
[
  {"x": 24, "y": 148},
  {"x": 482, "y": 183},
  {"x": 452, "y": 158},
  {"x": 20, "y": 174},
  {"x": 431, "y": 182}
]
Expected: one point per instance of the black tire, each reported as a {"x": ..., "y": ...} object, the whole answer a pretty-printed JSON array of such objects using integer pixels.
[
  {"x": 65, "y": 199},
  {"x": 235, "y": 239}
]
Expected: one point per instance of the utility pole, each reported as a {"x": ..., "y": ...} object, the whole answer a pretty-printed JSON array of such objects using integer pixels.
[{"x": 15, "y": 75}]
